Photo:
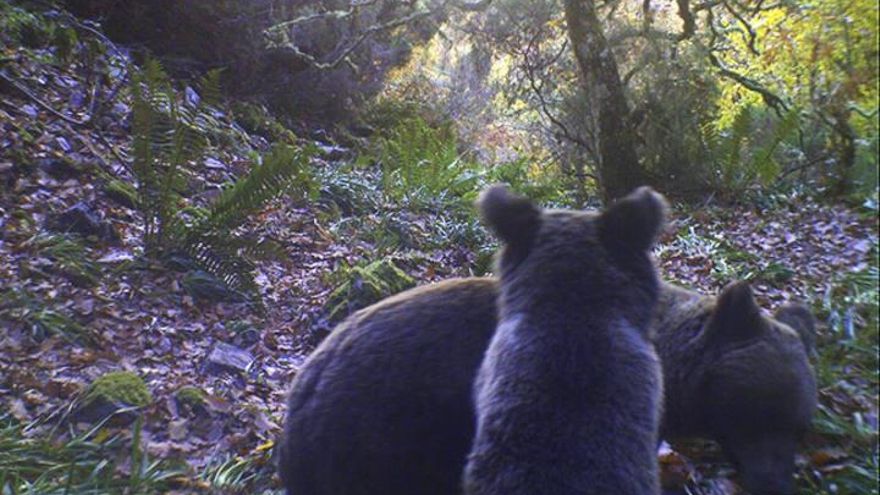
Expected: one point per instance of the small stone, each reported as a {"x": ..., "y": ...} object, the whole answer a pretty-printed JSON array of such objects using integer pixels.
[
  {"x": 192, "y": 97},
  {"x": 81, "y": 219},
  {"x": 59, "y": 168},
  {"x": 30, "y": 111},
  {"x": 228, "y": 357},
  {"x": 203, "y": 285},
  {"x": 333, "y": 153},
  {"x": 64, "y": 144},
  {"x": 215, "y": 164}
]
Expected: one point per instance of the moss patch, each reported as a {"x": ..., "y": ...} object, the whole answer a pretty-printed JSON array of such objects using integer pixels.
[
  {"x": 191, "y": 397},
  {"x": 257, "y": 120},
  {"x": 121, "y": 192},
  {"x": 366, "y": 285},
  {"x": 120, "y": 387}
]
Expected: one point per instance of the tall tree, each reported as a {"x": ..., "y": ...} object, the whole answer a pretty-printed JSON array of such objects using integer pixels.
[{"x": 619, "y": 167}]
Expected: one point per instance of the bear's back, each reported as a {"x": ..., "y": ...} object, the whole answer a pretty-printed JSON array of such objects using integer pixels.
[{"x": 333, "y": 445}]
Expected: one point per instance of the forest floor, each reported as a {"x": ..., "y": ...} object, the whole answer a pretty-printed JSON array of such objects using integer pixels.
[{"x": 75, "y": 307}]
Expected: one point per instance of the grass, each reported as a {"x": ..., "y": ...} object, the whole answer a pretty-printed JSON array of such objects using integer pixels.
[
  {"x": 40, "y": 319},
  {"x": 89, "y": 463},
  {"x": 36, "y": 459},
  {"x": 847, "y": 372},
  {"x": 68, "y": 256}
]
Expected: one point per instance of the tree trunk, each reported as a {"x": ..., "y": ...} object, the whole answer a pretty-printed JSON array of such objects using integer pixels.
[{"x": 619, "y": 169}]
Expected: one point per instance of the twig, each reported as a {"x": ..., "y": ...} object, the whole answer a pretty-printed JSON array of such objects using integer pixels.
[
  {"x": 45, "y": 106},
  {"x": 537, "y": 90}
]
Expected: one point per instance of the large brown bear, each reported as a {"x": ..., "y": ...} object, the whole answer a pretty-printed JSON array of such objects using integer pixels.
[
  {"x": 389, "y": 408},
  {"x": 568, "y": 395}
]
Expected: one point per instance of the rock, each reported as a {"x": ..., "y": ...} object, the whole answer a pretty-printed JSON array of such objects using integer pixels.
[
  {"x": 245, "y": 333},
  {"x": 81, "y": 219},
  {"x": 365, "y": 286},
  {"x": 60, "y": 168},
  {"x": 362, "y": 130},
  {"x": 333, "y": 153},
  {"x": 64, "y": 144},
  {"x": 192, "y": 401},
  {"x": 214, "y": 164},
  {"x": 225, "y": 357},
  {"x": 110, "y": 393},
  {"x": 203, "y": 285}
]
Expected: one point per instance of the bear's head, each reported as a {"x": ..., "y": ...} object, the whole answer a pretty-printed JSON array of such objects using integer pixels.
[
  {"x": 759, "y": 391},
  {"x": 571, "y": 256}
]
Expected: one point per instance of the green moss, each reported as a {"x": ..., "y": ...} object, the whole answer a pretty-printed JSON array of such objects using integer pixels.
[
  {"x": 120, "y": 387},
  {"x": 257, "y": 120},
  {"x": 366, "y": 285},
  {"x": 121, "y": 192},
  {"x": 190, "y": 396}
]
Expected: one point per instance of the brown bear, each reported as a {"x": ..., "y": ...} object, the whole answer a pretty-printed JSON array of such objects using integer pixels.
[
  {"x": 738, "y": 377},
  {"x": 385, "y": 403},
  {"x": 568, "y": 394}
]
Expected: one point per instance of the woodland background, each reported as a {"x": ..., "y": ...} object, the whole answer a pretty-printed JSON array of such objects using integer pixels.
[{"x": 193, "y": 193}]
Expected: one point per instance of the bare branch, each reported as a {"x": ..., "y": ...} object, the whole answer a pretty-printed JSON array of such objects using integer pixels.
[
  {"x": 45, "y": 106},
  {"x": 537, "y": 88}
]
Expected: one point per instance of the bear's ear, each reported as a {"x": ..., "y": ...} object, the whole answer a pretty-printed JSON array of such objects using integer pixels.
[
  {"x": 736, "y": 316},
  {"x": 514, "y": 219},
  {"x": 634, "y": 221},
  {"x": 801, "y": 320}
]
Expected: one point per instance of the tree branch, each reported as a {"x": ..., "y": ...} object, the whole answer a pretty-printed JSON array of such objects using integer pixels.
[
  {"x": 537, "y": 89},
  {"x": 364, "y": 35},
  {"x": 770, "y": 99}
]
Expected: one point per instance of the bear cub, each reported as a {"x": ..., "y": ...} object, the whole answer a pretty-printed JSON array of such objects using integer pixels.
[{"x": 568, "y": 393}]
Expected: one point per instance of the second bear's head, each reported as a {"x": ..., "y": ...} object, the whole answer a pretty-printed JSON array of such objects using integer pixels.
[{"x": 577, "y": 257}]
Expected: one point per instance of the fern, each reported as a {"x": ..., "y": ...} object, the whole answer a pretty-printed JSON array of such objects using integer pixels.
[
  {"x": 744, "y": 153},
  {"x": 167, "y": 136},
  {"x": 282, "y": 168},
  {"x": 211, "y": 241},
  {"x": 419, "y": 160},
  {"x": 764, "y": 163}
]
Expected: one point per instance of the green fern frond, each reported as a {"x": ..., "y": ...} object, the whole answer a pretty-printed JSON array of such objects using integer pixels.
[
  {"x": 764, "y": 164},
  {"x": 167, "y": 136},
  {"x": 222, "y": 256},
  {"x": 281, "y": 169},
  {"x": 209, "y": 85}
]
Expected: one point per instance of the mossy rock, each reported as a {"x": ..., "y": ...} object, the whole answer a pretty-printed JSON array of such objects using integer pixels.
[
  {"x": 191, "y": 400},
  {"x": 366, "y": 285},
  {"x": 110, "y": 393},
  {"x": 120, "y": 387},
  {"x": 255, "y": 119}
]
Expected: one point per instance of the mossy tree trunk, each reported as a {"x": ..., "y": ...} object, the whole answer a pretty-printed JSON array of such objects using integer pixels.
[{"x": 619, "y": 170}]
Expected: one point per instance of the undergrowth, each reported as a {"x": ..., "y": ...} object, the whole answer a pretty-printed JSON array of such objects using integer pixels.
[
  {"x": 846, "y": 368},
  {"x": 92, "y": 462},
  {"x": 168, "y": 136}
]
